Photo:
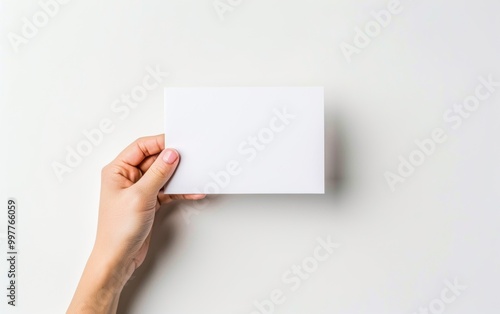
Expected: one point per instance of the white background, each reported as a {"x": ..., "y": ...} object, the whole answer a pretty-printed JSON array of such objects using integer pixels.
[{"x": 397, "y": 248}]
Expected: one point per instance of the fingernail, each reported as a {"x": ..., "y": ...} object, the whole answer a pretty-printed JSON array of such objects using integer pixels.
[{"x": 170, "y": 156}]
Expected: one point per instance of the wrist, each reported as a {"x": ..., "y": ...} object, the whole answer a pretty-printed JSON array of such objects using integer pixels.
[
  {"x": 112, "y": 271},
  {"x": 101, "y": 285}
]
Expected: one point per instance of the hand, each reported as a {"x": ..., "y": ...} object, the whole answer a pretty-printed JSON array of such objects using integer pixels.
[{"x": 130, "y": 198}]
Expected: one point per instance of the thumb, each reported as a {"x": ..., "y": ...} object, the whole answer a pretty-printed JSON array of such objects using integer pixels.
[{"x": 159, "y": 172}]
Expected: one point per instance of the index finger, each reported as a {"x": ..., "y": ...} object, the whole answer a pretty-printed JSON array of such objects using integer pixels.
[{"x": 142, "y": 148}]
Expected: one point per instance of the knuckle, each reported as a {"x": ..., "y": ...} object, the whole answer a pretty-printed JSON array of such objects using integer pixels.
[
  {"x": 159, "y": 171},
  {"x": 175, "y": 197},
  {"x": 139, "y": 139},
  {"x": 105, "y": 170}
]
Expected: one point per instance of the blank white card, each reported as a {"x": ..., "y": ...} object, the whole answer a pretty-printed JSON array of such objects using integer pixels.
[{"x": 246, "y": 140}]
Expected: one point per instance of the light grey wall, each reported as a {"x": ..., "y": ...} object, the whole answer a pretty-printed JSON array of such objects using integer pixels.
[{"x": 397, "y": 249}]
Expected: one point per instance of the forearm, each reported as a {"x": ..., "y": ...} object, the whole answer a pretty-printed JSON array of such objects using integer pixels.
[
  {"x": 128, "y": 204},
  {"x": 100, "y": 286}
]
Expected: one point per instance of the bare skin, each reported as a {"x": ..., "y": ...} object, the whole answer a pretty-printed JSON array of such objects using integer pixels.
[{"x": 130, "y": 197}]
